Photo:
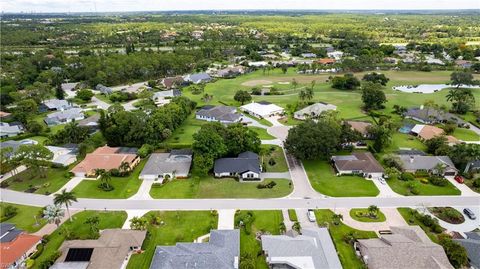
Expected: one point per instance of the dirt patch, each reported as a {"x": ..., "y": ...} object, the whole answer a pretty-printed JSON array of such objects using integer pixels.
[{"x": 257, "y": 82}]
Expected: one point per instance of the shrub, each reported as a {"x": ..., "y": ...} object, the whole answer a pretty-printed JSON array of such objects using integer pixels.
[
  {"x": 268, "y": 185},
  {"x": 424, "y": 180},
  {"x": 476, "y": 183},
  {"x": 392, "y": 161},
  {"x": 407, "y": 177},
  {"x": 421, "y": 174},
  {"x": 145, "y": 150},
  {"x": 272, "y": 162},
  {"x": 47, "y": 263},
  {"x": 438, "y": 181},
  {"x": 456, "y": 253},
  {"x": 9, "y": 211},
  {"x": 39, "y": 251}
]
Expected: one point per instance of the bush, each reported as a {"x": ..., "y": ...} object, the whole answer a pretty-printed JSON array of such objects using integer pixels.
[
  {"x": 438, "y": 181},
  {"x": 421, "y": 174},
  {"x": 272, "y": 162},
  {"x": 456, "y": 253},
  {"x": 476, "y": 183},
  {"x": 9, "y": 212},
  {"x": 268, "y": 185},
  {"x": 407, "y": 177},
  {"x": 424, "y": 180},
  {"x": 50, "y": 260},
  {"x": 145, "y": 150},
  {"x": 39, "y": 251}
]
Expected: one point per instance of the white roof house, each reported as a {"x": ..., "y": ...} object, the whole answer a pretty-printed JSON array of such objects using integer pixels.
[
  {"x": 163, "y": 97},
  {"x": 62, "y": 156},
  {"x": 7, "y": 130},
  {"x": 262, "y": 109},
  {"x": 337, "y": 55},
  {"x": 56, "y": 104},
  {"x": 313, "y": 110},
  {"x": 64, "y": 116}
]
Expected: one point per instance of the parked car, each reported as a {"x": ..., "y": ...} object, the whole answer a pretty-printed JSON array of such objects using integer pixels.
[
  {"x": 311, "y": 216},
  {"x": 382, "y": 180},
  {"x": 459, "y": 179},
  {"x": 469, "y": 213}
]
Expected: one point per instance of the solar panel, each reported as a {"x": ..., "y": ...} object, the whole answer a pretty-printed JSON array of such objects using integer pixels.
[{"x": 79, "y": 255}]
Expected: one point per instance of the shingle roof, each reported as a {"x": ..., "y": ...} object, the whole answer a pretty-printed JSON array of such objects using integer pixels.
[
  {"x": 361, "y": 161},
  {"x": 90, "y": 121},
  {"x": 429, "y": 114},
  {"x": 68, "y": 114},
  {"x": 57, "y": 104},
  {"x": 8, "y": 232},
  {"x": 221, "y": 252},
  {"x": 168, "y": 93},
  {"x": 315, "y": 109},
  {"x": 472, "y": 245},
  {"x": 417, "y": 162},
  {"x": 198, "y": 77},
  {"x": 160, "y": 163},
  {"x": 246, "y": 161},
  {"x": 220, "y": 113},
  {"x": 313, "y": 249},
  {"x": 407, "y": 247}
]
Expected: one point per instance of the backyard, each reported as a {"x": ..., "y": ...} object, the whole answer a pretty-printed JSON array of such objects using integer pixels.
[
  {"x": 406, "y": 187},
  {"x": 77, "y": 229},
  {"x": 178, "y": 226},
  {"x": 209, "y": 187},
  {"x": 339, "y": 232},
  {"x": 323, "y": 180},
  {"x": 32, "y": 182},
  {"x": 27, "y": 218},
  {"x": 124, "y": 187},
  {"x": 266, "y": 222},
  {"x": 183, "y": 134}
]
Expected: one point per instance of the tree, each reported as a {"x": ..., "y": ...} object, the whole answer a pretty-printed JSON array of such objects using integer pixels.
[
  {"x": 239, "y": 138},
  {"x": 372, "y": 96},
  {"x": 242, "y": 96},
  {"x": 139, "y": 223},
  {"x": 59, "y": 93},
  {"x": 347, "y": 82},
  {"x": 462, "y": 154},
  {"x": 437, "y": 145},
  {"x": 461, "y": 78},
  {"x": 294, "y": 84},
  {"x": 373, "y": 210},
  {"x": 85, "y": 95},
  {"x": 381, "y": 135},
  {"x": 124, "y": 167},
  {"x": 462, "y": 99},
  {"x": 311, "y": 140},
  {"x": 66, "y": 198},
  {"x": 337, "y": 218},
  {"x": 93, "y": 221},
  {"x": 34, "y": 157},
  {"x": 72, "y": 133},
  {"x": 53, "y": 214},
  {"x": 456, "y": 253},
  {"x": 376, "y": 78},
  {"x": 284, "y": 68},
  {"x": 34, "y": 127}
]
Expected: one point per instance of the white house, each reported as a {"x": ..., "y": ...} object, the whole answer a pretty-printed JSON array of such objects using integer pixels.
[
  {"x": 262, "y": 109},
  {"x": 7, "y": 130},
  {"x": 313, "y": 110},
  {"x": 337, "y": 55},
  {"x": 62, "y": 156},
  {"x": 163, "y": 97},
  {"x": 164, "y": 166}
]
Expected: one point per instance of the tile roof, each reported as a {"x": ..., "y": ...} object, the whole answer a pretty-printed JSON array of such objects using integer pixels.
[
  {"x": 11, "y": 251},
  {"x": 361, "y": 161},
  {"x": 427, "y": 132},
  {"x": 222, "y": 251},
  {"x": 246, "y": 161},
  {"x": 104, "y": 158}
]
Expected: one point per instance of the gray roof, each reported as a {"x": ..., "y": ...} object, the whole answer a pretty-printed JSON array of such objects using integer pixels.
[
  {"x": 313, "y": 249},
  {"x": 220, "y": 113},
  {"x": 7, "y": 129},
  {"x": 315, "y": 109},
  {"x": 429, "y": 114},
  {"x": 407, "y": 247},
  {"x": 69, "y": 86},
  {"x": 222, "y": 251},
  {"x": 198, "y": 77},
  {"x": 472, "y": 245},
  {"x": 57, "y": 104},
  {"x": 473, "y": 165},
  {"x": 246, "y": 161},
  {"x": 175, "y": 161},
  {"x": 103, "y": 89},
  {"x": 64, "y": 115},
  {"x": 91, "y": 121},
  {"x": 168, "y": 93},
  {"x": 16, "y": 144},
  {"x": 8, "y": 232},
  {"x": 411, "y": 152},
  {"x": 418, "y": 162}
]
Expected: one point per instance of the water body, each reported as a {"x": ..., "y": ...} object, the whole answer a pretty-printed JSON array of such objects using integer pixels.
[{"x": 428, "y": 88}]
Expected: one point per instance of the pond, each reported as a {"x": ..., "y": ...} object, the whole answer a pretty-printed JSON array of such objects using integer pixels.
[{"x": 427, "y": 88}]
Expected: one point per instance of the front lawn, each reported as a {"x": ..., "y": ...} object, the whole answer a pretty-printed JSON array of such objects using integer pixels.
[
  {"x": 363, "y": 215},
  {"x": 406, "y": 187},
  {"x": 274, "y": 159},
  {"x": 124, "y": 187},
  {"x": 77, "y": 229},
  {"x": 178, "y": 226},
  {"x": 32, "y": 182},
  {"x": 289, "y": 121},
  {"x": 208, "y": 187},
  {"x": 183, "y": 135},
  {"x": 400, "y": 140},
  {"x": 26, "y": 217},
  {"x": 262, "y": 133},
  {"x": 267, "y": 221},
  {"x": 466, "y": 134},
  {"x": 345, "y": 250},
  {"x": 323, "y": 180},
  {"x": 410, "y": 217}
]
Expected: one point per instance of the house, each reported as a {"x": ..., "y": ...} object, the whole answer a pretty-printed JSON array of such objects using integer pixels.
[
  {"x": 90, "y": 122},
  {"x": 258, "y": 64},
  {"x": 463, "y": 64},
  {"x": 337, "y": 55},
  {"x": 358, "y": 163},
  {"x": 313, "y": 110},
  {"x": 111, "y": 250},
  {"x": 312, "y": 249},
  {"x": 103, "y": 89},
  {"x": 160, "y": 166},
  {"x": 9, "y": 130},
  {"x": 69, "y": 87},
  {"x": 56, "y": 104},
  {"x": 198, "y": 78},
  {"x": 409, "y": 151},
  {"x": 246, "y": 166},
  {"x": 426, "y": 132},
  {"x": 430, "y": 115},
  {"x": 400, "y": 49},
  {"x": 473, "y": 166},
  {"x": 262, "y": 109},
  {"x": 198, "y": 34},
  {"x": 308, "y": 55},
  {"x": 406, "y": 247},
  {"x": 106, "y": 158},
  {"x": 5, "y": 115},
  {"x": 64, "y": 116},
  {"x": 16, "y": 144},
  {"x": 63, "y": 156},
  {"x": 414, "y": 163},
  {"x": 326, "y": 61},
  {"x": 223, "y": 114},
  {"x": 472, "y": 246},
  {"x": 222, "y": 251},
  {"x": 361, "y": 127},
  {"x": 230, "y": 72},
  {"x": 163, "y": 97},
  {"x": 15, "y": 246},
  {"x": 390, "y": 60},
  {"x": 172, "y": 82}
]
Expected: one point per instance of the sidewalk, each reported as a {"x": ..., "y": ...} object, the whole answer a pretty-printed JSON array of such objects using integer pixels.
[
  {"x": 51, "y": 227},
  {"x": 71, "y": 184},
  {"x": 21, "y": 168}
]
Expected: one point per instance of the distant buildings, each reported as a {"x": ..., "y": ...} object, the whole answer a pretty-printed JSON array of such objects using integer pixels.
[
  {"x": 429, "y": 115},
  {"x": 10, "y": 130},
  {"x": 160, "y": 166},
  {"x": 104, "y": 89},
  {"x": 308, "y": 55},
  {"x": 245, "y": 167},
  {"x": 172, "y": 82},
  {"x": 313, "y": 110},
  {"x": 223, "y": 114},
  {"x": 358, "y": 163},
  {"x": 431, "y": 164},
  {"x": 56, "y": 104},
  {"x": 262, "y": 109},
  {"x": 230, "y": 72},
  {"x": 222, "y": 251},
  {"x": 15, "y": 246},
  {"x": 64, "y": 116},
  {"x": 164, "y": 97},
  {"x": 198, "y": 78},
  {"x": 337, "y": 55},
  {"x": 361, "y": 127}
]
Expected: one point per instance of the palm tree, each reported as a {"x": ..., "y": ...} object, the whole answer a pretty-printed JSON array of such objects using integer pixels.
[
  {"x": 124, "y": 167},
  {"x": 53, "y": 214},
  {"x": 99, "y": 172},
  {"x": 337, "y": 218},
  {"x": 105, "y": 178},
  {"x": 294, "y": 84},
  {"x": 93, "y": 222},
  {"x": 309, "y": 93},
  {"x": 66, "y": 198},
  {"x": 373, "y": 209}
]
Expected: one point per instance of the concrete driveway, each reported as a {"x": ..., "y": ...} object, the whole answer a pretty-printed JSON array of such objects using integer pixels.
[
  {"x": 467, "y": 226},
  {"x": 462, "y": 187},
  {"x": 226, "y": 219},
  {"x": 393, "y": 218}
]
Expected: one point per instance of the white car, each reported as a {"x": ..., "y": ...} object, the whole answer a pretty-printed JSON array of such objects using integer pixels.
[{"x": 311, "y": 216}]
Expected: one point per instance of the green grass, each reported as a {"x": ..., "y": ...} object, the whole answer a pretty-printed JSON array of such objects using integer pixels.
[
  {"x": 79, "y": 230},
  {"x": 361, "y": 214},
  {"x": 39, "y": 139},
  {"x": 401, "y": 187},
  {"x": 412, "y": 220},
  {"x": 400, "y": 140},
  {"x": 54, "y": 180},
  {"x": 345, "y": 251},
  {"x": 208, "y": 187},
  {"x": 179, "y": 226},
  {"x": 292, "y": 215},
  {"x": 276, "y": 153},
  {"x": 261, "y": 121},
  {"x": 289, "y": 121},
  {"x": 124, "y": 187},
  {"x": 262, "y": 133},
  {"x": 183, "y": 135},
  {"x": 103, "y": 98},
  {"x": 323, "y": 180},
  {"x": 466, "y": 134},
  {"x": 25, "y": 218},
  {"x": 265, "y": 221}
]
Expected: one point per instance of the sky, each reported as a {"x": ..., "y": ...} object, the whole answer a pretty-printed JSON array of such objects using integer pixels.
[{"x": 159, "y": 5}]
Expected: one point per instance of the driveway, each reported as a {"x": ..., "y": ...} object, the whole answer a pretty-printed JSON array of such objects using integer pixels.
[
  {"x": 467, "y": 226},
  {"x": 275, "y": 175},
  {"x": 393, "y": 218},
  {"x": 301, "y": 185},
  {"x": 99, "y": 103},
  {"x": 253, "y": 123},
  {"x": 7, "y": 175},
  {"x": 226, "y": 219},
  {"x": 462, "y": 187},
  {"x": 277, "y": 142},
  {"x": 129, "y": 105},
  {"x": 71, "y": 184},
  {"x": 303, "y": 219},
  {"x": 143, "y": 192},
  {"x": 385, "y": 190}
]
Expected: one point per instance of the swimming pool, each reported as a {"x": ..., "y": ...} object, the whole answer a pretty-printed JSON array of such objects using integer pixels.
[{"x": 406, "y": 129}]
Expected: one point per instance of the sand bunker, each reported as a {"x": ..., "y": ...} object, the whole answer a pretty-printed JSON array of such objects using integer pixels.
[{"x": 253, "y": 83}]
